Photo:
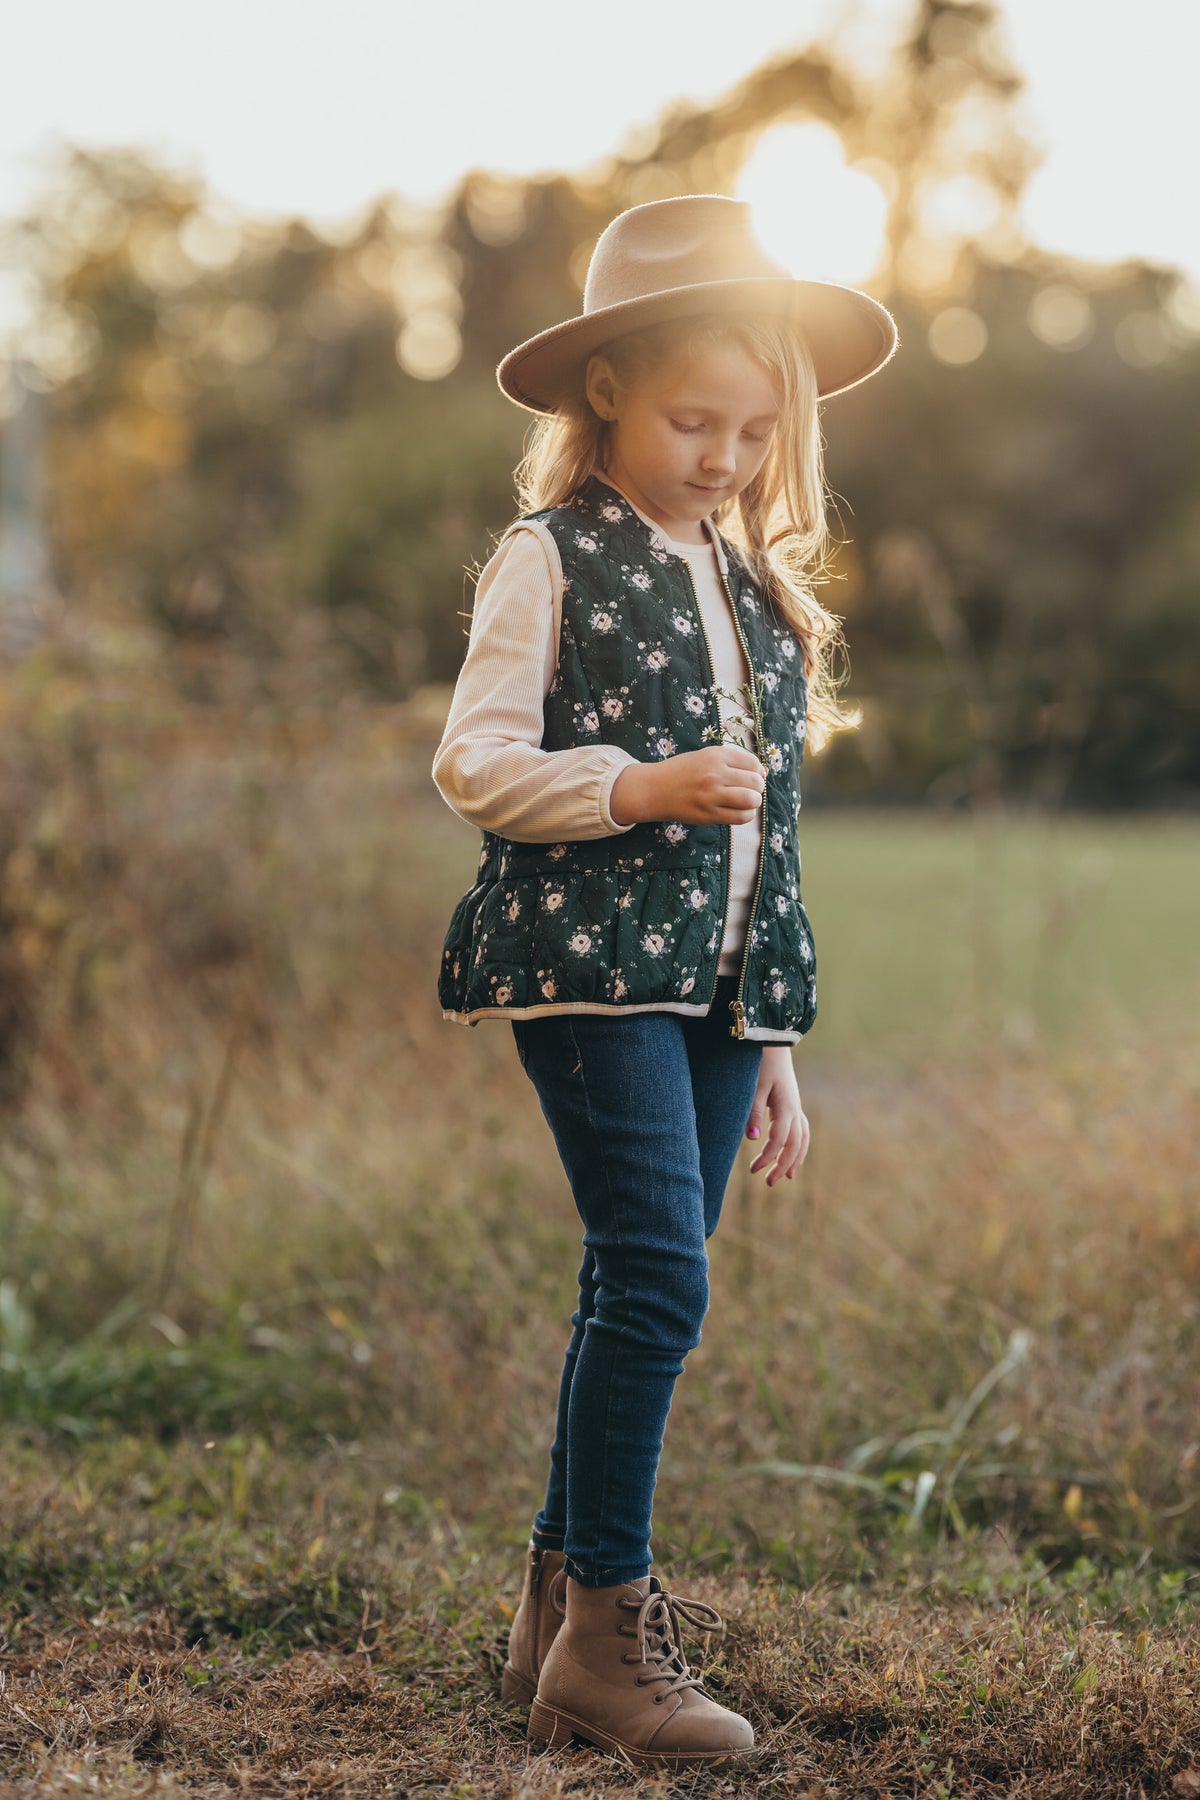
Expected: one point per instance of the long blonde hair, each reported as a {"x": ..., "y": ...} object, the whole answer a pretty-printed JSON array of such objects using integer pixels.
[{"x": 778, "y": 520}]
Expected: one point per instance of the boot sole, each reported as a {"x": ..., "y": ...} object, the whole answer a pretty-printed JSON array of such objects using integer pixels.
[
  {"x": 515, "y": 1688},
  {"x": 555, "y": 1729}
]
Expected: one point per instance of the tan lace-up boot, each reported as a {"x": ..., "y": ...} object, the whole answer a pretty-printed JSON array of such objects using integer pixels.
[
  {"x": 539, "y": 1614},
  {"x": 617, "y": 1676}
]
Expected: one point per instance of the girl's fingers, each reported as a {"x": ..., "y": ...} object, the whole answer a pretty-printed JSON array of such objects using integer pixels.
[
  {"x": 802, "y": 1143},
  {"x": 786, "y": 1161},
  {"x": 769, "y": 1152},
  {"x": 784, "y": 1151}
]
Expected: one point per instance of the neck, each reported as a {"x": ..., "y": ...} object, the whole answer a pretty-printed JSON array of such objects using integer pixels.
[
  {"x": 689, "y": 532},
  {"x": 709, "y": 534}
]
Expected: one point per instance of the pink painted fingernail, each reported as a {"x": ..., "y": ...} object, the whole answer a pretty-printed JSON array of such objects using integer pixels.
[{"x": 754, "y": 1132}]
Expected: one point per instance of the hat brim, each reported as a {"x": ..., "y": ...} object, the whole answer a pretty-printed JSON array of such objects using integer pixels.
[{"x": 850, "y": 334}]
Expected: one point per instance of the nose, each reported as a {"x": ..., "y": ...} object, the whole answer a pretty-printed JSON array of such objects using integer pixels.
[{"x": 719, "y": 457}]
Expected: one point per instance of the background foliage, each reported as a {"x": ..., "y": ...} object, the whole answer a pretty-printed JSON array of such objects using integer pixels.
[{"x": 251, "y": 424}]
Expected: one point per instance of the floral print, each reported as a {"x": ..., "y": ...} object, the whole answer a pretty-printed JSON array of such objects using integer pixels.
[{"x": 637, "y": 919}]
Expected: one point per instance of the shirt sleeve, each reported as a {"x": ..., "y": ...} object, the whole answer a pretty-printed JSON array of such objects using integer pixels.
[{"x": 490, "y": 766}]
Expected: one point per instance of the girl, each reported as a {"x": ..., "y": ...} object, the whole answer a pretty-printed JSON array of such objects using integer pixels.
[{"x": 645, "y": 663}]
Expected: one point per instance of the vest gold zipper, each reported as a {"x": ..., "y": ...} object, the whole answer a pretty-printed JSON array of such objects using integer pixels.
[
  {"x": 712, "y": 682},
  {"x": 737, "y": 1006}
]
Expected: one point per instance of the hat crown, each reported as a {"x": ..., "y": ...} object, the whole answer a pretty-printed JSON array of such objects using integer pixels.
[{"x": 679, "y": 243}]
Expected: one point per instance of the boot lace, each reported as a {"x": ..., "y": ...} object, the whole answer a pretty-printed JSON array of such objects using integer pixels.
[{"x": 660, "y": 1646}]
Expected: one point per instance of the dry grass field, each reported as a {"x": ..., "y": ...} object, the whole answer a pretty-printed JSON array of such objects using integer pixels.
[{"x": 287, "y": 1261}]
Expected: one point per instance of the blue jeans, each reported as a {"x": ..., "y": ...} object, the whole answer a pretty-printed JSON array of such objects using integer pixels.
[{"x": 647, "y": 1111}]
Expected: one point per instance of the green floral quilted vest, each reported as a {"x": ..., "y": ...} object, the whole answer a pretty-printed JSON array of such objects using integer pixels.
[{"x": 634, "y": 921}]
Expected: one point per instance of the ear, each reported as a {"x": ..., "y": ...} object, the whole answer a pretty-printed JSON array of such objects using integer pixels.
[{"x": 601, "y": 387}]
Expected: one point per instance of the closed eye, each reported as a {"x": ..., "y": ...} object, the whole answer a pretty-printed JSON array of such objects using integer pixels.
[{"x": 690, "y": 430}]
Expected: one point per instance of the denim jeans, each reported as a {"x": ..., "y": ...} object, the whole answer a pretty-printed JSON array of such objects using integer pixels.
[{"x": 647, "y": 1111}]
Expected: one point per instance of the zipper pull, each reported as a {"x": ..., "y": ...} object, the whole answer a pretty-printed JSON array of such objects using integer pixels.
[{"x": 738, "y": 1028}]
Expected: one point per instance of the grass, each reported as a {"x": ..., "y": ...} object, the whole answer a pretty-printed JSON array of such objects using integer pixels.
[{"x": 286, "y": 1271}]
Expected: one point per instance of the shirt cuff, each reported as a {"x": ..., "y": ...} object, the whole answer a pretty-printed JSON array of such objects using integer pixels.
[{"x": 611, "y": 825}]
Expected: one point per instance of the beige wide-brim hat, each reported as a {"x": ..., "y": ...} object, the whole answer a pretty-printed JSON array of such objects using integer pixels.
[{"x": 671, "y": 259}]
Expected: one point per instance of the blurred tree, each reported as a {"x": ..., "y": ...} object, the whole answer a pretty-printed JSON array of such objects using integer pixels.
[{"x": 251, "y": 424}]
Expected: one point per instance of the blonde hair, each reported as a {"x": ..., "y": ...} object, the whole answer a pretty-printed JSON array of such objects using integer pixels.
[{"x": 778, "y": 521}]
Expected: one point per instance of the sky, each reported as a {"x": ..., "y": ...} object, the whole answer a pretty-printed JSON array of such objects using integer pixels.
[{"x": 310, "y": 107}]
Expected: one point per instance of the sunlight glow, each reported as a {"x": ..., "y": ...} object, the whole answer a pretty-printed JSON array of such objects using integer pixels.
[{"x": 821, "y": 219}]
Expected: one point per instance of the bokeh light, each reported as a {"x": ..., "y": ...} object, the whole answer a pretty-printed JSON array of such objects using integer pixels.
[
  {"x": 429, "y": 346},
  {"x": 957, "y": 335},
  {"x": 1141, "y": 339},
  {"x": 1061, "y": 317}
]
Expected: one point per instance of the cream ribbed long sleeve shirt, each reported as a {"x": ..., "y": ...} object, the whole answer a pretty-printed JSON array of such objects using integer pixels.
[{"x": 490, "y": 766}]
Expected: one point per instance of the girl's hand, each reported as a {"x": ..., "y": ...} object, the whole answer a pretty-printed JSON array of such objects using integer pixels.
[
  {"x": 721, "y": 785},
  {"x": 777, "y": 1094}
]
